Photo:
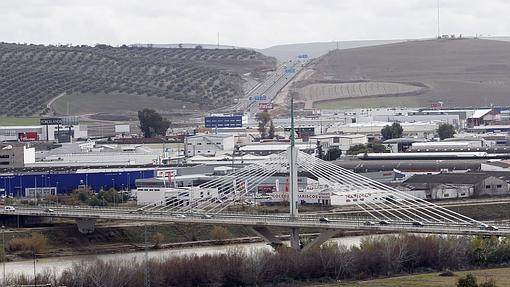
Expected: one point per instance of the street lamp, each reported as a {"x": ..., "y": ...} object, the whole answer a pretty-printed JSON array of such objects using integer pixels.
[
  {"x": 4, "y": 255},
  {"x": 114, "y": 191}
]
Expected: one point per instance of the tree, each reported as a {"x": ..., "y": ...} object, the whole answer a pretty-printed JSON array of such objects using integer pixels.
[
  {"x": 270, "y": 132},
  {"x": 368, "y": 148},
  {"x": 263, "y": 119},
  {"x": 152, "y": 123},
  {"x": 320, "y": 151},
  {"x": 445, "y": 131},
  {"x": 333, "y": 154},
  {"x": 392, "y": 132}
]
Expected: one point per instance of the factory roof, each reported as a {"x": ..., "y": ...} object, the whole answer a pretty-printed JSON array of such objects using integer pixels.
[{"x": 448, "y": 178}]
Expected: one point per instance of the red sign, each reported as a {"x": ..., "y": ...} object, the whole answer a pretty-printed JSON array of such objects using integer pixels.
[
  {"x": 28, "y": 136},
  {"x": 265, "y": 106},
  {"x": 436, "y": 105}
]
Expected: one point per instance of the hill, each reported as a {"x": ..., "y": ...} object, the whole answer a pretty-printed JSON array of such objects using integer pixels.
[
  {"x": 460, "y": 72},
  {"x": 35, "y": 79},
  {"x": 317, "y": 49}
]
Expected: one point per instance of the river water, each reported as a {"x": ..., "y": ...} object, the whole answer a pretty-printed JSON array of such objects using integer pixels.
[{"x": 58, "y": 264}]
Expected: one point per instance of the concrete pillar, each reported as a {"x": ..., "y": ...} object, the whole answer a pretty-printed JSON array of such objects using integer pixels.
[
  {"x": 264, "y": 233},
  {"x": 86, "y": 226},
  {"x": 323, "y": 237},
  {"x": 294, "y": 239}
]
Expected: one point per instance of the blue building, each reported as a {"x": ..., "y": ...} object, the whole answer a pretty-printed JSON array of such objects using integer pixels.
[{"x": 15, "y": 184}]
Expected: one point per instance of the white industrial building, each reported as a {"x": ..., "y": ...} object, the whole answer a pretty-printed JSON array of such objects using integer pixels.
[
  {"x": 89, "y": 154},
  {"x": 209, "y": 144},
  {"x": 416, "y": 129},
  {"x": 183, "y": 196},
  {"x": 264, "y": 149},
  {"x": 44, "y": 133},
  {"x": 340, "y": 141},
  {"x": 16, "y": 155}
]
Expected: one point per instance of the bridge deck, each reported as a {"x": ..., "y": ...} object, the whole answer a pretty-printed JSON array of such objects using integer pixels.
[{"x": 277, "y": 220}]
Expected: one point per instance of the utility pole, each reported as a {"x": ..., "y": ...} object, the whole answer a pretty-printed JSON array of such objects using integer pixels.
[
  {"x": 4, "y": 255},
  {"x": 146, "y": 279},
  {"x": 293, "y": 182},
  {"x": 438, "y": 23}
]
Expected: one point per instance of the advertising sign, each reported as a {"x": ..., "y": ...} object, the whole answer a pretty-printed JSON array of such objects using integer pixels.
[
  {"x": 265, "y": 106},
  {"x": 50, "y": 121},
  {"x": 28, "y": 136},
  {"x": 223, "y": 122}
]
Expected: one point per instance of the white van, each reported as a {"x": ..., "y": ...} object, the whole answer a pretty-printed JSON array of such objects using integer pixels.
[{"x": 10, "y": 208}]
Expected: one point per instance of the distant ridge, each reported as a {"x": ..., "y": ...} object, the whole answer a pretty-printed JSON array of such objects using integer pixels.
[{"x": 317, "y": 49}]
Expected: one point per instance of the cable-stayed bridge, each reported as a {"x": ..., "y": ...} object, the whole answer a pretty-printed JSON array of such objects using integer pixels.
[{"x": 387, "y": 209}]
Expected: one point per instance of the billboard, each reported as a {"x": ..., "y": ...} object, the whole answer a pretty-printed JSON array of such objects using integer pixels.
[
  {"x": 67, "y": 121},
  {"x": 122, "y": 129},
  {"x": 50, "y": 121},
  {"x": 28, "y": 136},
  {"x": 265, "y": 106},
  {"x": 223, "y": 122}
]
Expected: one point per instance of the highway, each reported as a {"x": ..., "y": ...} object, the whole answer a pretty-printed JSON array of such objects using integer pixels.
[
  {"x": 276, "y": 220},
  {"x": 270, "y": 87}
]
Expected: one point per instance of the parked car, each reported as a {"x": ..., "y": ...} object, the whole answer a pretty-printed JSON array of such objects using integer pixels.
[
  {"x": 417, "y": 224},
  {"x": 384, "y": 222},
  {"x": 49, "y": 210},
  {"x": 369, "y": 223},
  {"x": 180, "y": 216},
  {"x": 206, "y": 216}
]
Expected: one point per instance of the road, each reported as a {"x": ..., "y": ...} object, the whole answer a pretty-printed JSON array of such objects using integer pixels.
[
  {"x": 276, "y": 220},
  {"x": 270, "y": 87}
]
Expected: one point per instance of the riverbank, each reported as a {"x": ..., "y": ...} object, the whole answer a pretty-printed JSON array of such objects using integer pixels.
[{"x": 65, "y": 240}]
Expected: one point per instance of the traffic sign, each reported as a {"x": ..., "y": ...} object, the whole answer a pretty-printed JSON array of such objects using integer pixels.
[{"x": 260, "y": 98}]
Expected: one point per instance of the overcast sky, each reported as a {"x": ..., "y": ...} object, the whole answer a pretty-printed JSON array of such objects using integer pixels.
[{"x": 248, "y": 23}]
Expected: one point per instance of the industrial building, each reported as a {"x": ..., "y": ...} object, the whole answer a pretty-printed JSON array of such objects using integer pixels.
[
  {"x": 19, "y": 183},
  {"x": 42, "y": 133},
  {"x": 16, "y": 155},
  {"x": 458, "y": 185},
  {"x": 208, "y": 144},
  {"x": 342, "y": 142}
]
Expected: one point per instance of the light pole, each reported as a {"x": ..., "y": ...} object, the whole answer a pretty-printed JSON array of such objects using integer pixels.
[
  {"x": 56, "y": 192},
  {"x": 114, "y": 191},
  {"x": 4, "y": 255}
]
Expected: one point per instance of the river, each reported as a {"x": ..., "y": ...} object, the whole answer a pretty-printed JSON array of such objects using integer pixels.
[{"x": 58, "y": 264}]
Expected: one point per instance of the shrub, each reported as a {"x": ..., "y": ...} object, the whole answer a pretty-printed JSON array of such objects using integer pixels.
[
  {"x": 468, "y": 281},
  {"x": 219, "y": 233},
  {"x": 157, "y": 239},
  {"x": 37, "y": 242}
]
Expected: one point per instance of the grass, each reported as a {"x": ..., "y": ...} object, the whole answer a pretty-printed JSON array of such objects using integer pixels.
[
  {"x": 497, "y": 211},
  {"x": 14, "y": 121},
  {"x": 378, "y": 102},
  {"x": 79, "y": 103},
  {"x": 501, "y": 275}
]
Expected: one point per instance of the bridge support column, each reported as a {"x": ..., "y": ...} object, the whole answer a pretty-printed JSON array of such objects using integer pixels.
[
  {"x": 323, "y": 237},
  {"x": 264, "y": 233},
  {"x": 86, "y": 226},
  {"x": 294, "y": 239}
]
